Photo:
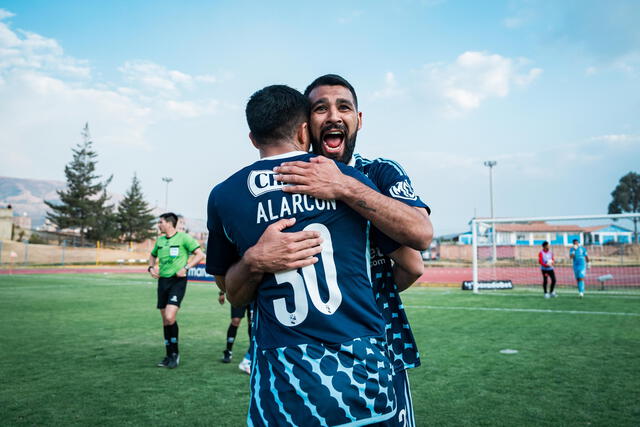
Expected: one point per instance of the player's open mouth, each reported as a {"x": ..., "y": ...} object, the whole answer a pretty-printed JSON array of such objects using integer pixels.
[{"x": 332, "y": 140}]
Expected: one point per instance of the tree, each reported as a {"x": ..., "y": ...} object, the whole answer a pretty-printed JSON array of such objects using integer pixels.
[
  {"x": 626, "y": 198},
  {"x": 135, "y": 221},
  {"x": 82, "y": 202},
  {"x": 105, "y": 226}
]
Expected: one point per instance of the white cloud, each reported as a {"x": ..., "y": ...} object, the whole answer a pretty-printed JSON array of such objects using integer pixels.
[
  {"x": 5, "y": 14},
  {"x": 513, "y": 22},
  {"x": 27, "y": 50},
  {"x": 590, "y": 71},
  {"x": 619, "y": 140},
  {"x": 475, "y": 77},
  {"x": 154, "y": 77},
  {"x": 521, "y": 16},
  {"x": 46, "y": 96},
  {"x": 390, "y": 89}
]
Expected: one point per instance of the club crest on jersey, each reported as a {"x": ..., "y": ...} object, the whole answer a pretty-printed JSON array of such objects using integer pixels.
[
  {"x": 263, "y": 181},
  {"x": 403, "y": 190}
]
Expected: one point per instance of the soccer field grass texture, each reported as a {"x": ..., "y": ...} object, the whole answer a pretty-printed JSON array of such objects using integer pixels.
[{"x": 81, "y": 350}]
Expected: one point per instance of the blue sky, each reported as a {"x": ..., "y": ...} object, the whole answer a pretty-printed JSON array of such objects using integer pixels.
[{"x": 549, "y": 89}]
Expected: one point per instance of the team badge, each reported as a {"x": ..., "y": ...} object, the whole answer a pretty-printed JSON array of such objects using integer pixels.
[{"x": 403, "y": 190}]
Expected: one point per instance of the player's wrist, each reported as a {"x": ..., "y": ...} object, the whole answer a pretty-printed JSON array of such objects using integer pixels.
[
  {"x": 149, "y": 268},
  {"x": 251, "y": 260},
  {"x": 347, "y": 188}
]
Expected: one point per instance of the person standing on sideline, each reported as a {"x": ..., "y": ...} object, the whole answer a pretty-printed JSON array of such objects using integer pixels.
[
  {"x": 237, "y": 313},
  {"x": 581, "y": 262},
  {"x": 546, "y": 260},
  {"x": 176, "y": 252}
]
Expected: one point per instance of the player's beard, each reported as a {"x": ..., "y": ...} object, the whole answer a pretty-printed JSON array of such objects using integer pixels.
[{"x": 349, "y": 145}]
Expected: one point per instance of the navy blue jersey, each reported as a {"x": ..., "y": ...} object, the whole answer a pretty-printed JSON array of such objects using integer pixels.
[
  {"x": 392, "y": 181},
  {"x": 311, "y": 311}
]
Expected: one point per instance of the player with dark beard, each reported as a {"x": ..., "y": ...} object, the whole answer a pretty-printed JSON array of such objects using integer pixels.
[{"x": 334, "y": 123}]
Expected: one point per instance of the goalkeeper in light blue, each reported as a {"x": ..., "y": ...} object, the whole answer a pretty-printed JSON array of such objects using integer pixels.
[{"x": 580, "y": 258}]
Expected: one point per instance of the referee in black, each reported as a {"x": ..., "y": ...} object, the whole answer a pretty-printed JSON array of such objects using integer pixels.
[{"x": 176, "y": 253}]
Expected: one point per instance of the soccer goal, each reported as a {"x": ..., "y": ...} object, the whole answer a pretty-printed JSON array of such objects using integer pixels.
[{"x": 506, "y": 250}]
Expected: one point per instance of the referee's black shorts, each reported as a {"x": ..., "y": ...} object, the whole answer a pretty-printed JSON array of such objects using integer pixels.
[
  {"x": 239, "y": 311},
  {"x": 171, "y": 290}
]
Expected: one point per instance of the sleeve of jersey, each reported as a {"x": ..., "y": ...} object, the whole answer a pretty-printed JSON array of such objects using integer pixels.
[
  {"x": 192, "y": 244},
  {"x": 221, "y": 253},
  {"x": 154, "y": 251},
  {"x": 394, "y": 182},
  {"x": 379, "y": 239}
]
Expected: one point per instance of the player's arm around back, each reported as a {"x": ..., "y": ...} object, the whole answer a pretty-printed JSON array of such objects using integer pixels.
[
  {"x": 407, "y": 268},
  {"x": 322, "y": 179},
  {"x": 275, "y": 251}
]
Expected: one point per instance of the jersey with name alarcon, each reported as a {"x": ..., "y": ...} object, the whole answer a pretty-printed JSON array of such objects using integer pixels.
[
  {"x": 319, "y": 355},
  {"x": 392, "y": 181}
]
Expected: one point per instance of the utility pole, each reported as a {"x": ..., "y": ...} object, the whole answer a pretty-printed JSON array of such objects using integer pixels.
[
  {"x": 167, "y": 180},
  {"x": 490, "y": 164}
]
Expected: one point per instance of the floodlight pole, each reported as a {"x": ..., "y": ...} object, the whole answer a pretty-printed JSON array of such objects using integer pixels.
[
  {"x": 167, "y": 180},
  {"x": 490, "y": 164}
]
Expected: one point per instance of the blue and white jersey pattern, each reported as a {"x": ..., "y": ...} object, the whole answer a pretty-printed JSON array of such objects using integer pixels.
[
  {"x": 322, "y": 384},
  {"x": 579, "y": 257},
  {"x": 392, "y": 181},
  {"x": 311, "y": 321}
]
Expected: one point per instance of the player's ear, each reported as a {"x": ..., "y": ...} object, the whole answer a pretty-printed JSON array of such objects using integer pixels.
[
  {"x": 253, "y": 141},
  {"x": 359, "y": 120},
  {"x": 303, "y": 136}
]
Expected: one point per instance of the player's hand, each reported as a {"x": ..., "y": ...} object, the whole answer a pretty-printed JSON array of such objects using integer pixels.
[
  {"x": 278, "y": 251},
  {"x": 319, "y": 177},
  {"x": 154, "y": 273},
  {"x": 182, "y": 273},
  {"x": 588, "y": 266},
  {"x": 221, "y": 299}
]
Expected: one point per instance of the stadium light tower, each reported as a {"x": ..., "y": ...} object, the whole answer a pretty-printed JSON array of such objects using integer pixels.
[
  {"x": 167, "y": 180},
  {"x": 490, "y": 164}
]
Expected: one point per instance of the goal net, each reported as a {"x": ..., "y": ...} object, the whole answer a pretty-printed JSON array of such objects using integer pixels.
[{"x": 508, "y": 249}]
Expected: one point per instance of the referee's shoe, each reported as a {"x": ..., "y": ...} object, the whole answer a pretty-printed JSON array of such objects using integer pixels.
[
  {"x": 174, "y": 361},
  {"x": 164, "y": 362}
]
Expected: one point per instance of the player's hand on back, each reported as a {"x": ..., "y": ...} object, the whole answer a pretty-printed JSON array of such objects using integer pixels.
[
  {"x": 277, "y": 251},
  {"x": 319, "y": 177}
]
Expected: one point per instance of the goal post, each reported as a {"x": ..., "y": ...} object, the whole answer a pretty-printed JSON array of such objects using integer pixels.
[{"x": 611, "y": 242}]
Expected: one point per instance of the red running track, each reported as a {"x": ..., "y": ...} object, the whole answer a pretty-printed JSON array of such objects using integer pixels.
[
  {"x": 622, "y": 276},
  {"x": 67, "y": 270}
]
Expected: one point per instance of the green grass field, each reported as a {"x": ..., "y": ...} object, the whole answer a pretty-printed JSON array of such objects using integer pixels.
[{"x": 81, "y": 350}]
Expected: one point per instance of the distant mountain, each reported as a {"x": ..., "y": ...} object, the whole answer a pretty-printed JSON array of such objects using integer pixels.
[{"x": 28, "y": 196}]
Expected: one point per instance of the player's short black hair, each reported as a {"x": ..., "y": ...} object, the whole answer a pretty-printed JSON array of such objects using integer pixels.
[
  {"x": 332, "y": 80},
  {"x": 575, "y": 240},
  {"x": 275, "y": 112},
  {"x": 170, "y": 217},
  {"x": 545, "y": 243}
]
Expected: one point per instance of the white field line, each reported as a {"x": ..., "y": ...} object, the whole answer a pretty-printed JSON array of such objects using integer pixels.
[
  {"x": 523, "y": 310},
  {"x": 565, "y": 294},
  {"x": 529, "y": 293}
]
